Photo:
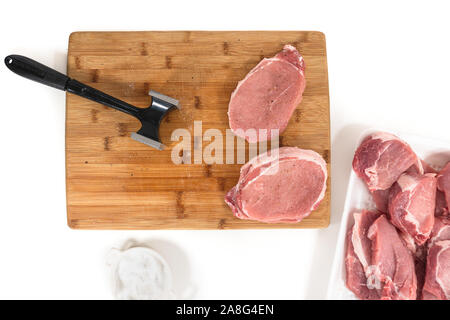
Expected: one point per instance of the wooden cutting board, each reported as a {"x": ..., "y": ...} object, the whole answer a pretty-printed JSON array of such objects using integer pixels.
[{"x": 114, "y": 182}]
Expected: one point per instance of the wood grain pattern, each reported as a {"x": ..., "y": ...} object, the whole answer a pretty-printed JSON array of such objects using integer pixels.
[{"x": 114, "y": 182}]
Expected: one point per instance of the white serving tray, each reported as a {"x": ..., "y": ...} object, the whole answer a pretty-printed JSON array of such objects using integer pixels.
[{"x": 436, "y": 153}]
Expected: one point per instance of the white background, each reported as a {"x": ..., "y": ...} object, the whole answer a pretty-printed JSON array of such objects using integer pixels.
[{"x": 388, "y": 66}]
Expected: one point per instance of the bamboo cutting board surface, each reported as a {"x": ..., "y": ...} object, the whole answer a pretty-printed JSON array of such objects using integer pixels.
[{"x": 114, "y": 182}]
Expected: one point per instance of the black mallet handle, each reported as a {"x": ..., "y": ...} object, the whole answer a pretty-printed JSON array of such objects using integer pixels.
[{"x": 33, "y": 70}]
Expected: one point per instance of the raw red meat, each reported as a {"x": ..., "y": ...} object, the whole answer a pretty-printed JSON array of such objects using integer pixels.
[
  {"x": 381, "y": 159},
  {"x": 419, "y": 254},
  {"x": 412, "y": 261},
  {"x": 392, "y": 265},
  {"x": 282, "y": 185},
  {"x": 441, "y": 231},
  {"x": 358, "y": 256},
  {"x": 418, "y": 251},
  {"x": 444, "y": 183},
  {"x": 437, "y": 279},
  {"x": 441, "y": 204},
  {"x": 378, "y": 264},
  {"x": 427, "y": 168},
  {"x": 412, "y": 202},
  {"x": 361, "y": 243},
  {"x": 356, "y": 279},
  {"x": 381, "y": 199},
  {"x": 268, "y": 95}
]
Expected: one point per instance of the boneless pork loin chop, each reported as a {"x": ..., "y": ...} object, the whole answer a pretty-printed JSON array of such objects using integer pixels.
[
  {"x": 412, "y": 202},
  {"x": 361, "y": 243},
  {"x": 356, "y": 280},
  {"x": 437, "y": 278},
  {"x": 281, "y": 185},
  {"x": 268, "y": 95},
  {"x": 441, "y": 204},
  {"x": 401, "y": 250},
  {"x": 381, "y": 197},
  {"x": 358, "y": 256},
  {"x": 444, "y": 183},
  {"x": 381, "y": 159},
  {"x": 392, "y": 263},
  {"x": 441, "y": 231},
  {"x": 378, "y": 263}
]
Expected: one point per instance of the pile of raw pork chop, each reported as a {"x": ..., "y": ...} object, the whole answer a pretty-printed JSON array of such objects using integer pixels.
[
  {"x": 281, "y": 185},
  {"x": 402, "y": 249}
]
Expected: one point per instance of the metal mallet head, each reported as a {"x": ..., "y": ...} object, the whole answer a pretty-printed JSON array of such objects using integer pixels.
[{"x": 151, "y": 118}]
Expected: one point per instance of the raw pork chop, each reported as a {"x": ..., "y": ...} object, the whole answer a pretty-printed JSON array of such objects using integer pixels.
[
  {"x": 392, "y": 265},
  {"x": 356, "y": 280},
  {"x": 444, "y": 183},
  {"x": 381, "y": 199},
  {"x": 358, "y": 256},
  {"x": 412, "y": 202},
  {"x": 441, "y": 230},
  {"x": 381, "y": 159},
  {"x": 378, "y": 264},
  {"x": 282, "y": 185},
  {"x": 268, "y": 95},
  {"x": 437, "y": 279},
  {"x": 419, "y": 254},
  {"x": 441, "y": 204},
  {"x": 361, "y": 243}
]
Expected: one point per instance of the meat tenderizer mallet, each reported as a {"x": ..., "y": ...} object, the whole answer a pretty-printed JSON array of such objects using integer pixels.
[{"x": 150, "y": 117}]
